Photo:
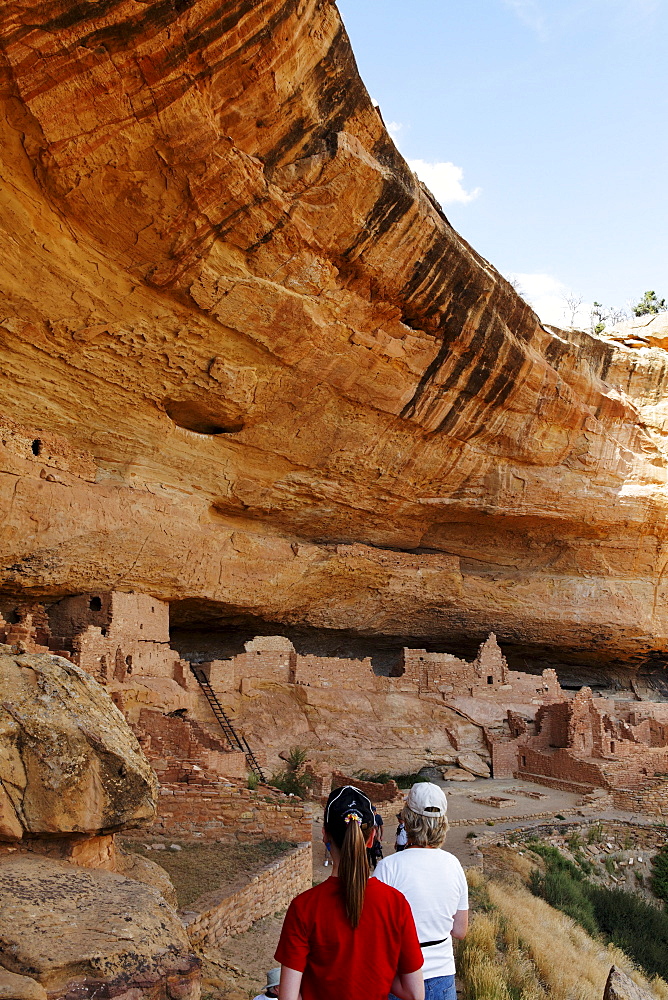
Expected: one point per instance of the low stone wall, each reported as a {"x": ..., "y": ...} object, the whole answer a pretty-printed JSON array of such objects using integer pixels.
[
  {"x": 482, "y": 821},
  {"x": 217, "y": 916},
  {"x": 561, "y": 784},
  {"x": 228, "y": 813},
  {"x": 374, "y": 790},
  {"x": 653, "y": 801}
]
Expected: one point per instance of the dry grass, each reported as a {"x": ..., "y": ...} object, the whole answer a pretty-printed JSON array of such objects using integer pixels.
[
  {"x": 481, "y": 976},
  {"x": 569, "y": 964},
  {"x": 520, "y": 948}
]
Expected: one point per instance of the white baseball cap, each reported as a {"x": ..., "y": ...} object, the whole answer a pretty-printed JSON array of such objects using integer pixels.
[
  {"x": 427, "y": 799},
  {"x": 273, "y": 978}
]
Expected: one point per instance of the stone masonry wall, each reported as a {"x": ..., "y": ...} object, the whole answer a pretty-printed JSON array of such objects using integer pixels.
[
  {"x": 561, "y": 765},
  {"x": 652, "y": 801},
  {"x": 504, "y": 757},
  {"x": 177, "y": 746},
  {"x": 336, "y": 672},
  {"x": 216, "y": 917},
  {"x": 374, "y": 790},
  {"x": 229, "y": 813}
]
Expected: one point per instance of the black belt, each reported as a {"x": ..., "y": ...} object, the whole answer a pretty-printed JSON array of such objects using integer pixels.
[{"x": 428, "y": 944}]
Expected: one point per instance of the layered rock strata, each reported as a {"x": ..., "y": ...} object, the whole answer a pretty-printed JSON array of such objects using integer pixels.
[{"x": 264, "y": 375}]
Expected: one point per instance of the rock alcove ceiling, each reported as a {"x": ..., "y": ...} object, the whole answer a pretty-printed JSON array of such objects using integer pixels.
[{"x": 264, "y": 374}]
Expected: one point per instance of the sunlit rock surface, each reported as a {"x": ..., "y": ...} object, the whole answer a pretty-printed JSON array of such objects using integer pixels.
[
  {"x": 69, "y": 763},
  {"x": 249, "y": 367}
]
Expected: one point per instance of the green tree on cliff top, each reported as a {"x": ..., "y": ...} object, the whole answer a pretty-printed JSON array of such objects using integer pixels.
[{"x": 650, "y": 304}]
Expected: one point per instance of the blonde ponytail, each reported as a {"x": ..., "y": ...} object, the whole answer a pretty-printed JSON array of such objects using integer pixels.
[{"x": 354, "y": 869}]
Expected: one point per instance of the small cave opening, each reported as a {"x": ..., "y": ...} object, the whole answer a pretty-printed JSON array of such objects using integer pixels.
[
  {"x": 200, "y": 418},
  {"x": 95, "y": 604},
  {"x": 36, "y": 447}
]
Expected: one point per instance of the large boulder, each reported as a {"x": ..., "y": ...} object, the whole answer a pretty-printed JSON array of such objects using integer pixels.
[
  {"x": 620, "y": 986},
  {"x": 91, "y": 933},
  {"x": 475, "y": 764},
  {"x": 69, "y": 763}
]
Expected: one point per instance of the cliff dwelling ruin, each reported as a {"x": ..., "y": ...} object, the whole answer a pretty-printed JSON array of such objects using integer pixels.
[{"x": 277, "y": 445}]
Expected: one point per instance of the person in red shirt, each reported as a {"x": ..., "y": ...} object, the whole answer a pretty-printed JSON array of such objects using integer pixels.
[{"x": 349, "y": 938}]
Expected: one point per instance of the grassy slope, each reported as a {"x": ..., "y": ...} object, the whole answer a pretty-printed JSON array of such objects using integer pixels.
[{"x": 520, "y": 948}]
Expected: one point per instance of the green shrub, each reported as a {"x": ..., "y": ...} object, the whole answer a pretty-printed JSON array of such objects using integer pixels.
[
  {"x": 406, "y": 780},
  {"x": 253, "y": 781},
  {"x": 293, "y": 780},
  {"x": 620, "y": 917},
  {"x": 595, "y": 833},
  {"x": 566, "y": 892},
  {"x": 584, "y": 864},
  {"x": 659, "y": 876},
  {"x": 381, "y": 778},
  {"x": 634, "y": 926}
]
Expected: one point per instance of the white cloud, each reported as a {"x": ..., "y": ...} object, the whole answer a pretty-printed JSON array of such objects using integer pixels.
[
  {"x": 549, "y": 298},
  {"x": 394, "y": 128},
  {"x": 444, "y": 180},
  {"x": 530, "y": 13}
]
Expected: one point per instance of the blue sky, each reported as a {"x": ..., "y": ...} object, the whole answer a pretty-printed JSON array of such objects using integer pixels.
[{"x": 541, "y": 125}]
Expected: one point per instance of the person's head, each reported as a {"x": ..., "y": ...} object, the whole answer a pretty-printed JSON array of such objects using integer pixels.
[
  {"x": 424, "y": 815},
  {"x": 349, "y": 824},
  {"x": 273, "y": 979}
]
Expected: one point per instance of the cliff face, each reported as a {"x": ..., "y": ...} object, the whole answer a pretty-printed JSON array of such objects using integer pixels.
[{"x": 247, "y": 365}]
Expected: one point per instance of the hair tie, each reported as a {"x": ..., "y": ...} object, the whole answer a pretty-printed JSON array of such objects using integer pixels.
[{"x": 353, "y": 815}]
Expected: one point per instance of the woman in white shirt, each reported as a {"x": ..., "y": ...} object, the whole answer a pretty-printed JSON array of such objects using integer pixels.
[{"x": 434, "y": 884}]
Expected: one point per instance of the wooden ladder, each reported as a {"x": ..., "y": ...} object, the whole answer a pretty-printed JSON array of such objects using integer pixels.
[{"x": 234, "y": 739}]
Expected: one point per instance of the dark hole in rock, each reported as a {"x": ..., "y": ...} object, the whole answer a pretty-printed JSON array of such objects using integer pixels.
[
  {"x": 36, "y": 446},
  {"x": 95, "y": 604},
  {"x": 200, "y": 418}
]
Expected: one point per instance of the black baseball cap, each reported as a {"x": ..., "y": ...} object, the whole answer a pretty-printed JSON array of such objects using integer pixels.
[{"x": 346, "y": 805}]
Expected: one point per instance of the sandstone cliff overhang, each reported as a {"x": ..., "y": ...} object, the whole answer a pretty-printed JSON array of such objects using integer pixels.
[{"x": 248, "y": 365}]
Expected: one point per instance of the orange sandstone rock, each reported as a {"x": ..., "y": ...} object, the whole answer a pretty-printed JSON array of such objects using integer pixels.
[{"x": 248, "y": 365}]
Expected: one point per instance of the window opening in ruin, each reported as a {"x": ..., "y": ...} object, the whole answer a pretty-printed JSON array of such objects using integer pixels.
[
  {"x": 524, "y": 762},
  {"x": 95, "y": 604},
  {"x": 128, "y": 663},
  {"x": 104, "y": 631},
  {"x": 490, "y": 680},
  {"x": 36, "y": 446}
]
